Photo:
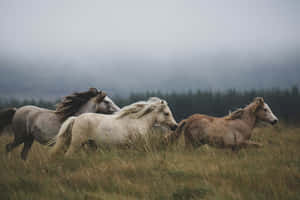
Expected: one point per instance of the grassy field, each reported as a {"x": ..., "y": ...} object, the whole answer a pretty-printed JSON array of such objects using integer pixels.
[{"x": 150, "y": 171}]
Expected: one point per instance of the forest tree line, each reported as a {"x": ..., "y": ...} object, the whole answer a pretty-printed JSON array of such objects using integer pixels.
[{"x": 285, "y": 103}]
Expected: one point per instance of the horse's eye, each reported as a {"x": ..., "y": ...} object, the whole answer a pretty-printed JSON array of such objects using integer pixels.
[
  {"x": 106, "y": 102},
  {"x": 265, "y": 110},
  {"x": 167, "y": 114}
]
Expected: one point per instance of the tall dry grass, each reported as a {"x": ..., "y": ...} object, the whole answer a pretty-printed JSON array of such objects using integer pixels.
[{"x": 148, "y": 170}]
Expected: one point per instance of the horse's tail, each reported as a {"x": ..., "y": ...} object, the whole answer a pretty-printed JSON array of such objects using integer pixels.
[
  {"x": 6, "y": 116},
  {"x": 64, "y": 136},
  {"x": 171, "y": 138}
]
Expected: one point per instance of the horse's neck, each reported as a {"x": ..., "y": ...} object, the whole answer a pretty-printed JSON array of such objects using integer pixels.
[
  {"x": 249, "y": 117},
  {"x": 86, "y": 108},
  {"x": 146, "y": 122}
]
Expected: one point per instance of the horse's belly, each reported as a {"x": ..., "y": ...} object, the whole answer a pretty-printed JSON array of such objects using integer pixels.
[
  {"x": 109, "y": 135},
  {"x": 45, "y": 128},
  {"x": 223, "y": 136},
  {"x": 110, "y": 138}
]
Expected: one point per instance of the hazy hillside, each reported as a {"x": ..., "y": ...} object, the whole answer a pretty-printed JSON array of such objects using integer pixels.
[{"x": 51, "y": 77}]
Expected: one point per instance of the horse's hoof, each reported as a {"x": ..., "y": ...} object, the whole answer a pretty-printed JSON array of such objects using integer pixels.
[
  {"x": 23, "y": 158},
  {"x": 8, "y": 148},
  {"x": 235, "y": 148},
  {"x": 260, "y": 145}
]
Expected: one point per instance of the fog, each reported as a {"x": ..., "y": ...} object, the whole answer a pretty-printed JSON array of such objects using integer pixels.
[{"x": 51, "y": 48}]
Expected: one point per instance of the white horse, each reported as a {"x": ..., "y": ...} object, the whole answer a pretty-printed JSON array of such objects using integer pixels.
[{"x": 135, "y": 119}]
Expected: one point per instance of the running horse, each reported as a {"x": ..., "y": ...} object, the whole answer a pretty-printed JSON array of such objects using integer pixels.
[
  {"x": 31, "y": 123},
  {"x": 233, "y": 130},
  {"x": 136, "y": 119}
]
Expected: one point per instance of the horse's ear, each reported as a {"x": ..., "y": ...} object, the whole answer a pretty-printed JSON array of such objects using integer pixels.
[
  {"x": 100, "y": 96},
  {"x": 102, "y": 93},
  {"x": 259, "y": 101},
  {"x": 163, "y": 105},
  {"x": 93, "y": 90}
]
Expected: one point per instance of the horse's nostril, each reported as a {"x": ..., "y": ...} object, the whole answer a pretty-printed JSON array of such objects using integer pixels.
[
  {"x": 274, "y": 121},
  {"x": 174, "y": 127}
]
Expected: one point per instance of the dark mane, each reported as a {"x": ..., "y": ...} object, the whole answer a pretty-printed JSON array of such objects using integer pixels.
[{"x": 72, "y": 103}]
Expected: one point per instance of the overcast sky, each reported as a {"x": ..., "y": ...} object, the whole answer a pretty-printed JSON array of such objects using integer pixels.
[{"x": 57, "y": 46}]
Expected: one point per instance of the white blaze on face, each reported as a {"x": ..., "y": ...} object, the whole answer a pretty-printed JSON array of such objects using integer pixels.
[{"x": 269, "y": 113}]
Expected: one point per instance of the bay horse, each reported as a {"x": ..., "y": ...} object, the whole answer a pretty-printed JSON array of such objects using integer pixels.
[
  {"x": 132, "y": 120},
  {"x": 232, "y": 131},
  {"x": 31, "y": 123}
]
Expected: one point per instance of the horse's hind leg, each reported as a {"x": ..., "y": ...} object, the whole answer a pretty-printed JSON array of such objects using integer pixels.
[
  {"x": 77, "y": 141},
  {"x": 27, "y": 145},
  {"x": 73, "y": 148},
  {"x": 17, "y": 141},
  {"x": 235, "y": 148},
  {"x": 91, "y": 145},
  {"x": 188, "y": 143}
]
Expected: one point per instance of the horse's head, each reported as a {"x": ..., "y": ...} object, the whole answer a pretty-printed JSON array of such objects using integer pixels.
[
  {"x": 91, "y": 101},
  {"x": 101, "y": 103},
  {"x": 164, "y": 115},
  {"x": 263, "y": 112}
]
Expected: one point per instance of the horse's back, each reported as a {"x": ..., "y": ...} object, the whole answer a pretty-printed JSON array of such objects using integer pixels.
[
  {"x": 199, "y": 120},
  {"x": 26, "y": 112},
  {"x": 34, "y": 121},
  {"x": 92, "y": 121},
  {"x": 101, "y": 128}
]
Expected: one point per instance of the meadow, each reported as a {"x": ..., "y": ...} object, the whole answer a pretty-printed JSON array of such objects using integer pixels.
[{"x": 150, "y": 170}]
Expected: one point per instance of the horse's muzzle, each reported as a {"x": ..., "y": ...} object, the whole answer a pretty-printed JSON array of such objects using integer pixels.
[
  {"x": 113, "y": 110},
  {"x": 173, "y": 127},
  {"x": 274, "y": 122}
]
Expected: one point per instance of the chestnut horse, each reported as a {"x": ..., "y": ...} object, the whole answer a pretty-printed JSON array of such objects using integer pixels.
[{"x": 232, "y": 131}]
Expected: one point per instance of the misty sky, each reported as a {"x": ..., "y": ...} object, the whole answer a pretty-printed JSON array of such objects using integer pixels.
[{"x": 50, "y": 48}]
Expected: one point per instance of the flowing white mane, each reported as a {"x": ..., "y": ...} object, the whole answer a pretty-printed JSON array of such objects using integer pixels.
[{"x": 140, "y": 108}]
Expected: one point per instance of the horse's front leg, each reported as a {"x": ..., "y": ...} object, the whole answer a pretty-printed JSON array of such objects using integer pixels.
[{"x": 90, "y": 145}]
